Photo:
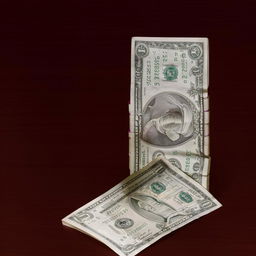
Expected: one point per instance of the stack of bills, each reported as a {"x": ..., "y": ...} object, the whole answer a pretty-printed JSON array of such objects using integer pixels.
[{"x": 168, "y": 148}]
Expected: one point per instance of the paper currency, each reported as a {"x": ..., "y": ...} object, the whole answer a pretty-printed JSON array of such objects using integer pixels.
[
  {"x": 144, "y": 207},
  {"x": 169, "y": 107}
]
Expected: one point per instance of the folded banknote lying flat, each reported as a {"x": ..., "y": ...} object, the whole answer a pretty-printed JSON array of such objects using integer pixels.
[
  {"x": 144, "y": 207},
  {"x": 169, "y": 104}
]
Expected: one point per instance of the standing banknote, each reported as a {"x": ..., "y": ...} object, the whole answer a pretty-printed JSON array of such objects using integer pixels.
[
  {"x": 144, "y": 207},
  {"x": 169, "y": 107}
]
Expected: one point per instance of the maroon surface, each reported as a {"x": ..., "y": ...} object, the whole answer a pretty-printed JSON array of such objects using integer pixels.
[{"x": 64, "y": 92}]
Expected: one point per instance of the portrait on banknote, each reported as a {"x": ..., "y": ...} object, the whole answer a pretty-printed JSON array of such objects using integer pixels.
[{"x": 167, "y": 120}]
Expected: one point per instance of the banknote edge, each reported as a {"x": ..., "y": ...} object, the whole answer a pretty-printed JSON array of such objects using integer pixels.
[
  {"x": 170, "y": 39},
  {"x": 133, "y": 175}
]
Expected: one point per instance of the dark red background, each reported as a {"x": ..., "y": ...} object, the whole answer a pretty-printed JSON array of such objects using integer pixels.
[{"x": 64, "y": 92}]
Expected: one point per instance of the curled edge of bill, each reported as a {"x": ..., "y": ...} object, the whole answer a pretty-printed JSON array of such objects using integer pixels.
[
  {"x": 205, "y": 171},
  {"x": 69, "y": 223}
]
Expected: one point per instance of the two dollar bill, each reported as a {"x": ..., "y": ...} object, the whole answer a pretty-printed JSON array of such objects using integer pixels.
[{"x": 169, "y": 150}]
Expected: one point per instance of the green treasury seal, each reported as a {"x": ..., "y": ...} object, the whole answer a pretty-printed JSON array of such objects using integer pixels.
[
  {"x": 170, "y": 73},
  {"x": 185, "y": 197},
  {"x": 158, "y": 187}
]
